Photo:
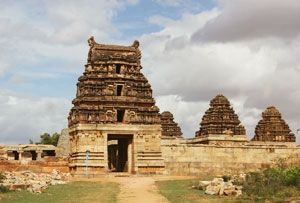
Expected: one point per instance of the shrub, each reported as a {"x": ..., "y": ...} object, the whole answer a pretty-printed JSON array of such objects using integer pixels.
[
  {"x": 2, "y": 177},
  {"x": 226, "y": 178},
  {"x": 3, "y": 189},
  {"x": 271, "y": 181}
]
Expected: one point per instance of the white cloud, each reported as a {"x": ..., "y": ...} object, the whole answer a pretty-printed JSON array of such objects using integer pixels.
[
  {"x": 253, "y": 74},
  {"x": 251, "y": 19},
  {"x": 24, "y": 117},
  {"x": 173, "y": 3}
]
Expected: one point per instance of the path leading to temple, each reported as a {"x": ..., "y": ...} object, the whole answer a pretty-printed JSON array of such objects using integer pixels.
[{"x": 139, "y": 189}]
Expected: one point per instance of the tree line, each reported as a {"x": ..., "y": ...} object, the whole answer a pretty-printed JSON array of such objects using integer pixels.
[{"x": 46, "y": 138}]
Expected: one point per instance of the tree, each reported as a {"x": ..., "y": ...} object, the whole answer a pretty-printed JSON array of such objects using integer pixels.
[{"x": 46, "y": 138}]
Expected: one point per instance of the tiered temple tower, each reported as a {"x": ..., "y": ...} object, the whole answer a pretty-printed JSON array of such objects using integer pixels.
[
  {"x": 114, "y": 124},
  {"x": 169, "y": 127},
  {"x": 220, "y": 119},
  {"x": 273, "y": 128}
]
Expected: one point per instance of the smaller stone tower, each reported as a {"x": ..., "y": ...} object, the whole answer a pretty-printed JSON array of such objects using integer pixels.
[
  {"x": 220, "y": 119},
  {"x": 273, "y": 128},
  {"x": 169, "y": 127}
]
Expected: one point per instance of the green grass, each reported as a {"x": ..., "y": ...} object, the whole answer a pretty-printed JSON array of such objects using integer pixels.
[
  {"x": 180, "y": 191},
  {"x": 73, "y": 192}
]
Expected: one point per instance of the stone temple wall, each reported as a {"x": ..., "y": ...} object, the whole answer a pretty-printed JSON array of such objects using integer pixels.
[{"x": 182, "y": 158}]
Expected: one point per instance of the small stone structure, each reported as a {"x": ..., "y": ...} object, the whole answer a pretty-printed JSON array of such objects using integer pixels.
[
  {"x": 169, "y": 127},
  {"x": 27, "y": 152},
  {"x": 273, "y": 128}
]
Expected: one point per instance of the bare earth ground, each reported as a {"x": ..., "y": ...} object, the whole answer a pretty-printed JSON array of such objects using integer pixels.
[{"x": 137, "y": 189}]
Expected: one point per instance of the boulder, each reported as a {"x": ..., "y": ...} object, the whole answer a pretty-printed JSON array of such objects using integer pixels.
[
  {"x": 203, "y": 184},
  {"x": 212, "y": 190},
  {"x": 218, "y": 187}
]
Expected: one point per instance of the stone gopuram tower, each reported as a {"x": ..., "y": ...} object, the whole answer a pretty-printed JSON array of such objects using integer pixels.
[{"x": 114, "y": 125}]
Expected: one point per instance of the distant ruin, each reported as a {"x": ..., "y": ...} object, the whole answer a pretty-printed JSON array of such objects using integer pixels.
[{"x": 115, "y": 126}]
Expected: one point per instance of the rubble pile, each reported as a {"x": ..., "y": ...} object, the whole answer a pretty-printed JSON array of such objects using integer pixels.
[
  {"x": 220, "y": 187},
  {"x": 33, "y": 182}
]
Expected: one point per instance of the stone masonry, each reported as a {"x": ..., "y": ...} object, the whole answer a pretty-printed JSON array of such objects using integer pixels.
[
  {"x": 114, "y": 124},
  {"x": 273, "y": 128}
]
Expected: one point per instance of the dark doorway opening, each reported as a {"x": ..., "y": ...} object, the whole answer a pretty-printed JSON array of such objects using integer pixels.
[
  {"x": 118, "y": 68},
  {"x": 119, "y": 152},
  {"x": 33, "y": 155},
  {"x": 119, "y": 90},
  {"x": 48, "y": 153},
  {"x": 120, "y": 115},
  {"x": 16, "y": 155}
]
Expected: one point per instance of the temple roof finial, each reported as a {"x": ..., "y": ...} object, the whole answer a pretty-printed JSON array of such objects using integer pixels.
[
  {"x": 91, "y": 41},
  {"x": 136, "y": 44}
]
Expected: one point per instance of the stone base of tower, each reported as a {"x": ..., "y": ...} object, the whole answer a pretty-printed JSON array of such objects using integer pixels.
[
  {"x": 103, "y": 148},
  {"x": 220, "y": 139}
]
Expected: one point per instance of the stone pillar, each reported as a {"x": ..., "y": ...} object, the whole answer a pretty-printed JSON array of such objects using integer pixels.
[
  {"x": 105, "y": 136},
  {"x": 20, "y": 154},
  {"x": 129, "y": 159},
  {"x": 39, "y": 155}
]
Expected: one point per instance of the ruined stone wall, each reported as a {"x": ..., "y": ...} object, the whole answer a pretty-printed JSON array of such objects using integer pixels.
[
  {"x": 197, "y": 159},
  {"x": 35, "y": 166}
]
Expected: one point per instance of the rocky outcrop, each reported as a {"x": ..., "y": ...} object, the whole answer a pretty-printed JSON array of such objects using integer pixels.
[{"x": 33, "y": 182}]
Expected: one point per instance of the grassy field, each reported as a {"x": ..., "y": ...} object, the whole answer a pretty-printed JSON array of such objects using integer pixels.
[
  {"x": 180, "y": 191},
  {"x": 74, "y": 192}
]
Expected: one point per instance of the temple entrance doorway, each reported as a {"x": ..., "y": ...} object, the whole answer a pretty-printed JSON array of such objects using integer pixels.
[{"x": 119, "y": 150}]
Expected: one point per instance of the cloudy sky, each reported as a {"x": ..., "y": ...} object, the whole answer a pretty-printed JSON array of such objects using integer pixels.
[{"x": 192, "y": 50}]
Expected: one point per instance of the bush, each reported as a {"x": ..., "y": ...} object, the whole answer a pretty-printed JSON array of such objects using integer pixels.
[
  {"x": 3, "y": 189},
  {"x": 2, "y": 177},
  {"x": 272, "y": 181},
  {"x": 226, "y": 178}
]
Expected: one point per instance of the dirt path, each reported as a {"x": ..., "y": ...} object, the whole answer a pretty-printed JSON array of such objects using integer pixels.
[{"x": 139, "y": 189}]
